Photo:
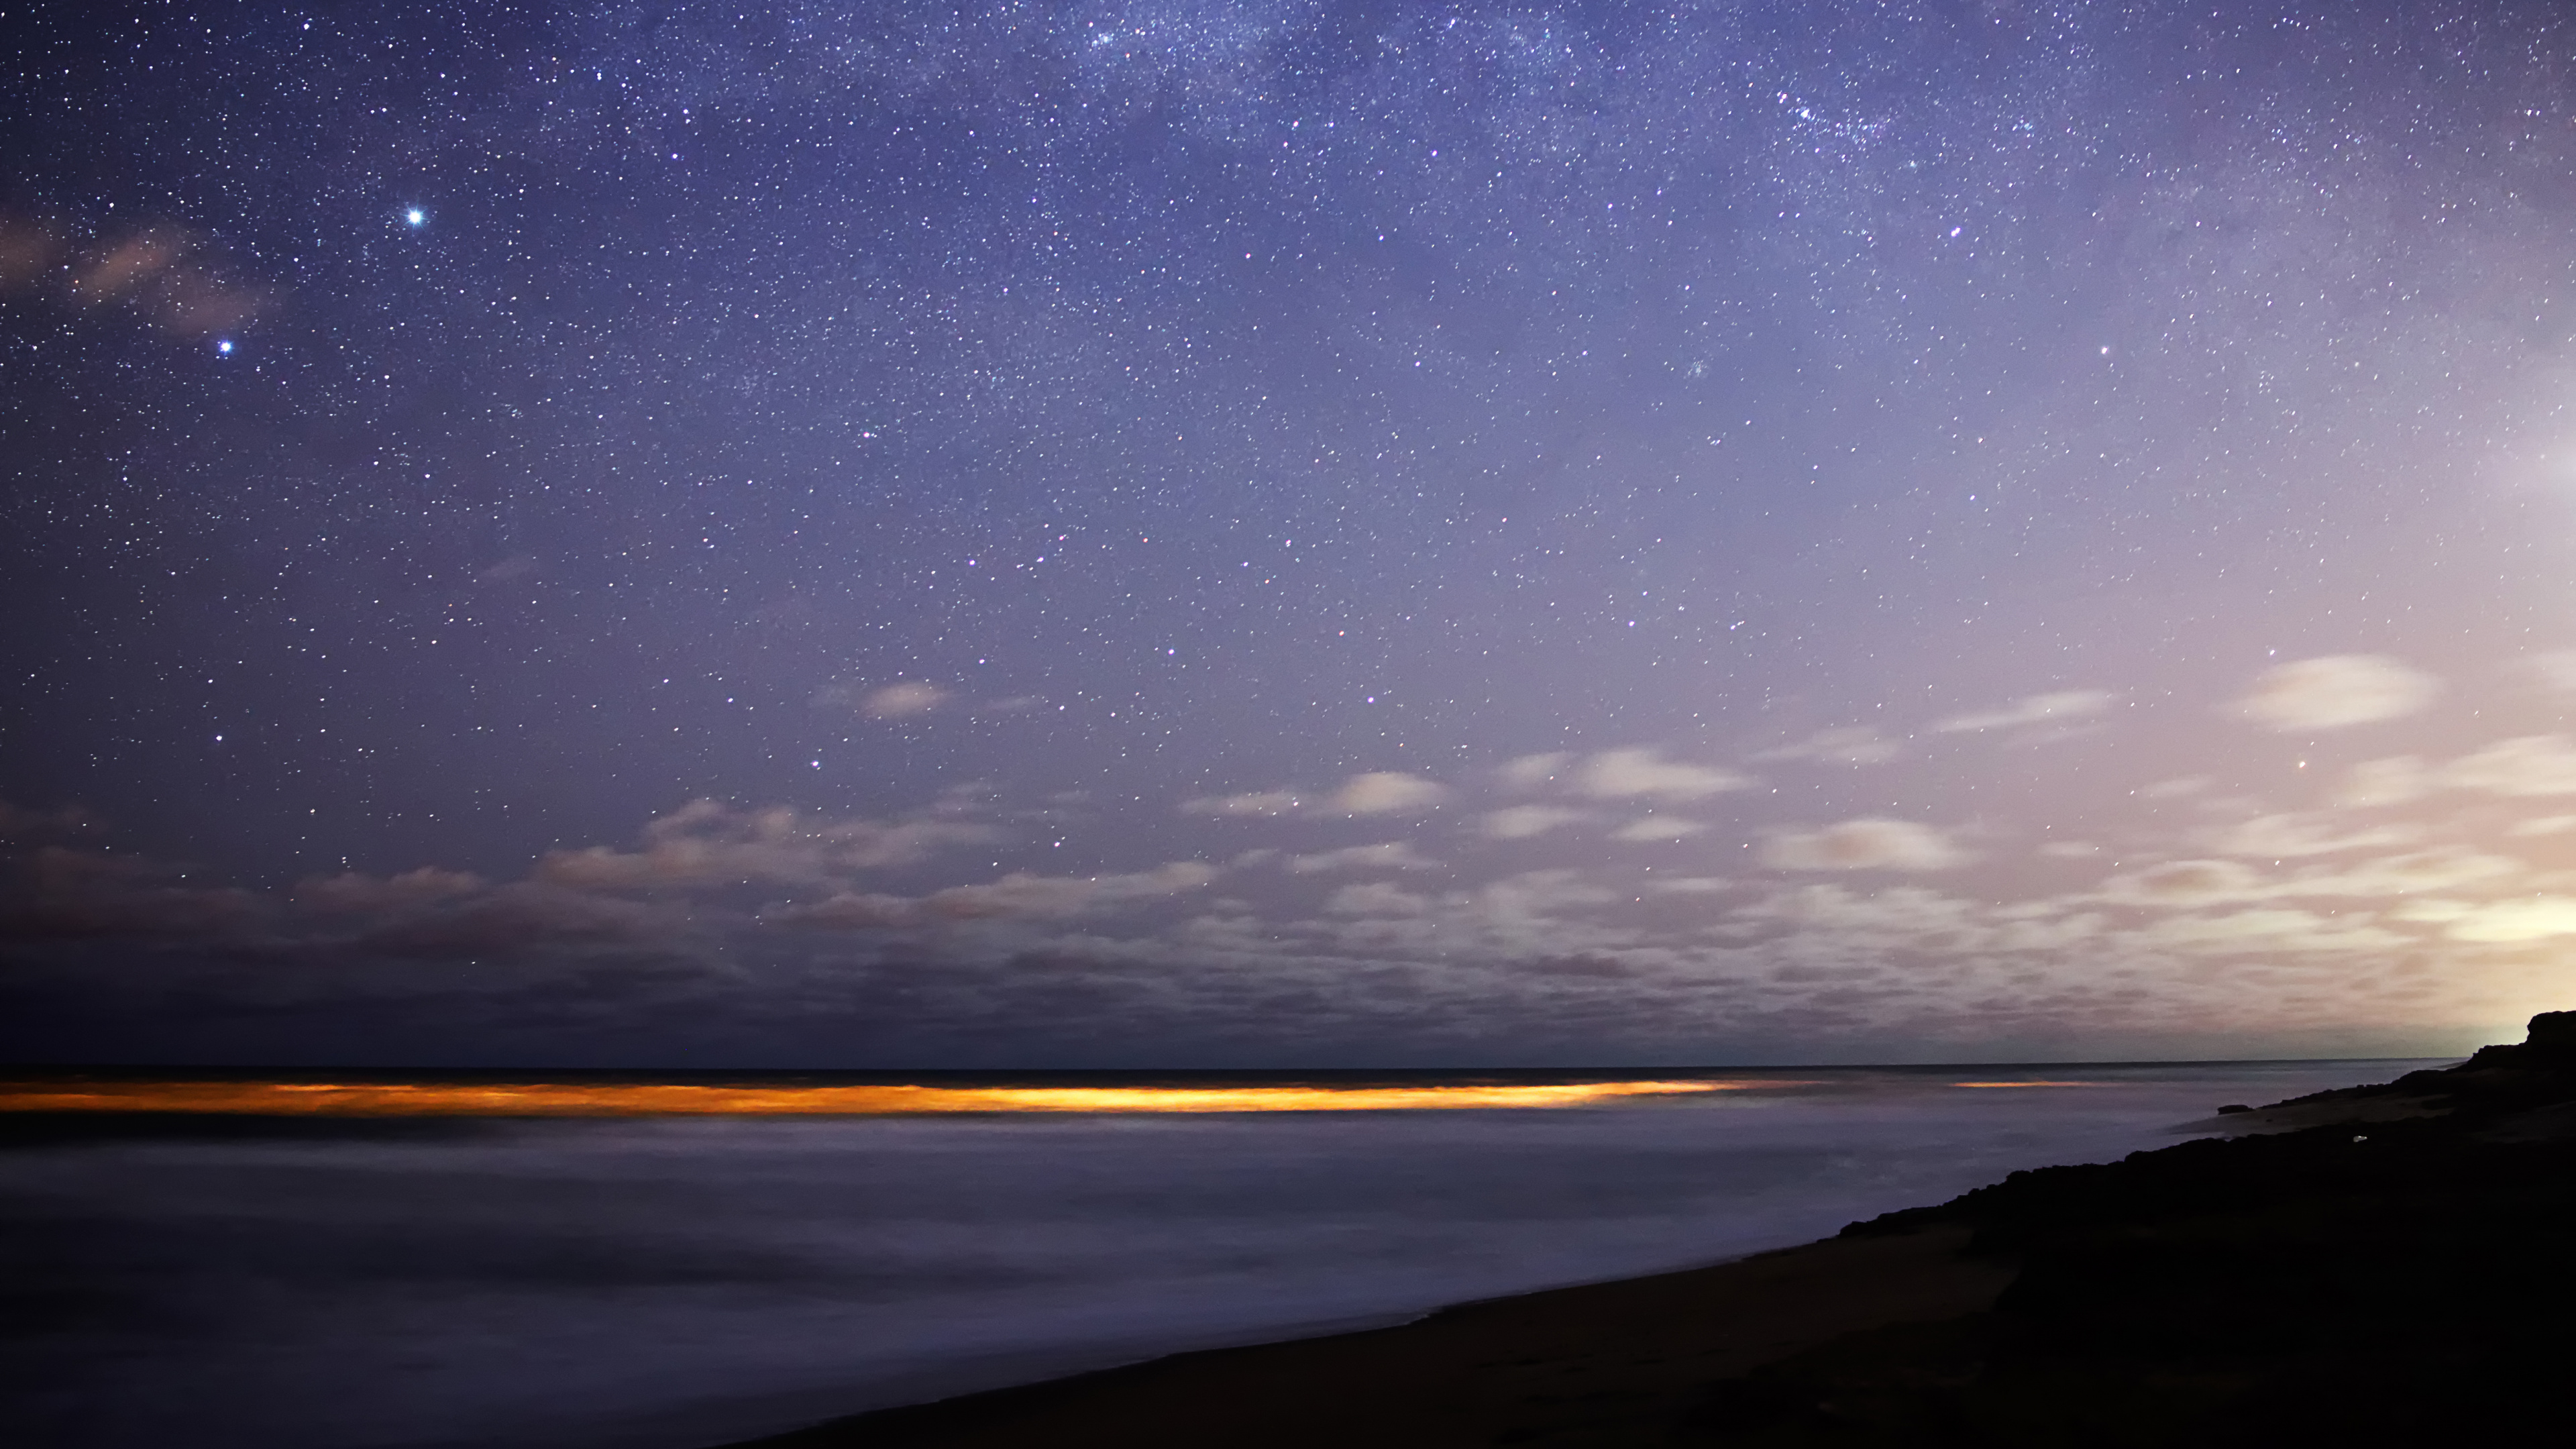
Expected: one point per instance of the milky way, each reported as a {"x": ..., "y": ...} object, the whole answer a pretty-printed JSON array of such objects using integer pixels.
[{"x": 1284, "y": 534}]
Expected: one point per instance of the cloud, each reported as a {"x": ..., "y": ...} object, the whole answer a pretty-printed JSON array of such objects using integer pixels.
[
  {"x": 2526, "y": 766},
  {"x": 2267, "y": 929},
  {"x": 351, "y": 893},
  {"x": 65, "y": 894},
  {"x": 29, "y": 252},
  {"x": 2529, "y": 765},
  {"x": 1392, "y": 855},
  {"x": 1866, "y": 844},
  {"x": 1544, "y": 893},
  {"x": 166, "y": 275},
  {"x": 1657, "y": 828},
  {"x": 2070, "y": 850},
  {"x": 2391, "y": 781},
  {"x": 20, "y": 823},
  {"x": 1017, "y": 895},
  {"x": 1375, "y": 898},
  {"x": 1520, "y": 822},
  {"x": 1256, "y": 802},
  {"x": 523, "y": 916},
  {"x": 708, "y": 843},
  {"x": 1387, "y": 792},
  {"x": 1627, "y": 774},
  {"x": 2445, "y": 868},
  {"x": 2064, "y": 706},
  {"x": 1529, "y": 772},
  {"x": 2206, "y": 882},
  {"x": 902, "y": 701},
  {"x": 1022, "y": 894},
  {"x": 2336, "y": 691},
  {"x": 2552, "y": 669},
  {"x": 2283, "y": 836},
  {"x": 2503, "y": 922},
  {"x": 1878, "y": 918},
  {"x": 847, "y": 911},
  {"x": 1376, "y": 792},
  {"x": 2186, "y": 883},
  {"x": 1847, "y": 746},
  {"x": 2544, "y": 825}
]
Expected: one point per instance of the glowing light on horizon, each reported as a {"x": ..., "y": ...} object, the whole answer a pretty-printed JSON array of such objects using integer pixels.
[
  {"x": 558, "y": 1099},
  {"x": 2030, "y": 1084}
]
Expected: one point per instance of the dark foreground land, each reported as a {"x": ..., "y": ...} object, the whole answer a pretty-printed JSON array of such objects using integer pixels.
[{"x": 2379, "y": 1265}]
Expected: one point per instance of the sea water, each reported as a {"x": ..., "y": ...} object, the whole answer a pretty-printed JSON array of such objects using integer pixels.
[{"x": 671, "y": 1283}]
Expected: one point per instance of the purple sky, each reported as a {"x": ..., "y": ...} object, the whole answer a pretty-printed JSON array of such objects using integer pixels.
[{"x": 1230, "y": 534}]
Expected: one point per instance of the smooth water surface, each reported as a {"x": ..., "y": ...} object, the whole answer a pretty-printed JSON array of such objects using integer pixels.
[{"x": 664, "y": 1284}]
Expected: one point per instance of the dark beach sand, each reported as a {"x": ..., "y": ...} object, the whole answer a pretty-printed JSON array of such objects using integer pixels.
[
  {"x": 1559, "y": 1367},
  {"x": 2378, "y": 1265}
]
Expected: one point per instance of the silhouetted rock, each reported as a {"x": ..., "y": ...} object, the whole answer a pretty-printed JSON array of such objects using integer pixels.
[{"x": 2315, "y": 1286}]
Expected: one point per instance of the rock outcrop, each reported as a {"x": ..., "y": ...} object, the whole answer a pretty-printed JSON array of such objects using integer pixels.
[{"x": 2370, "y": 1277}]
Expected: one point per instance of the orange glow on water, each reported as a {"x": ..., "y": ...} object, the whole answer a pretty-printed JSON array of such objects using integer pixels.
[{"x": 560, "y": 1099}]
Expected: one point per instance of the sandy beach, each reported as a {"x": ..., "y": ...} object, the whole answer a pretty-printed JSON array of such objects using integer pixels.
[{"x": 1567, "y": 1366}]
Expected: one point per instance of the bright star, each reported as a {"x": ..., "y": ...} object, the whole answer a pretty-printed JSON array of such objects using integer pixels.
[
  {"x": 415, "y": 216},
  {"x": 225, "y": 346}
]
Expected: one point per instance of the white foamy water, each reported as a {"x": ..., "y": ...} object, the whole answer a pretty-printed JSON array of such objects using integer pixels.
[{"x": 671, "y": 1284}]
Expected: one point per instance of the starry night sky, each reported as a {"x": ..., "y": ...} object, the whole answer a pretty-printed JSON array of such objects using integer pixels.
[{"x": 1294, "y": 534}]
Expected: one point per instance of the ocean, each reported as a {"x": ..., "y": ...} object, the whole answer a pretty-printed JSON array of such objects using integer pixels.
[{"x": 681, "y": 1282}]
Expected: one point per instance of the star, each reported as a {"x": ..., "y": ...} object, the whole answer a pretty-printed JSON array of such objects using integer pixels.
[{"x": 415, "y": 216}]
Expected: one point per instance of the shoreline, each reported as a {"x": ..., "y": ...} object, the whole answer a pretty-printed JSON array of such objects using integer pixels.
[
  {"x": 2265, "y": 1283},
  {"x": 1626, "y": 1338}
]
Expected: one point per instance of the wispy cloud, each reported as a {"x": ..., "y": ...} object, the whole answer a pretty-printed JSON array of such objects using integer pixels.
[
  {"x": 2394, "y": 780},
  {"x": 1849, "y": 745},
  {"x": 1376, "y": 898},
  {"x": 169, "y": 276},
  {"x": 1019, "y": 895},
  {"x": 65, "y": 893},
  {"x": 1866, "y": 844},
  {"x": 2529, "y": 765},
  {"x": 1532, "y": 772},
  {"x": 2392, "y": 877},
  {"x": 1388, "y": 855},
  {"x": 2336, "y": 691},
  {"x": 1251, "y": 802},
  {"x": 1387, "y": 792},
  {"x": 2536, "y": 919},
  {"x": 1631, "y": 774},
  {"x": 2553, "y": 669},
  {"x": 524, "y": 917},
  {"x": 2286, "y": 836},
  {"x": 1649, "y": 828},
  {"x": 352, "y": 893},
  {"x": 17, "y": 822},
  {"x": 2061, "y": 707},
  {"x": 1375, "y": 792},
  {"x": 709, "y": 843},
  {"x": 903, "y": 700},
  {"x": 1520, "y": 822}
]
